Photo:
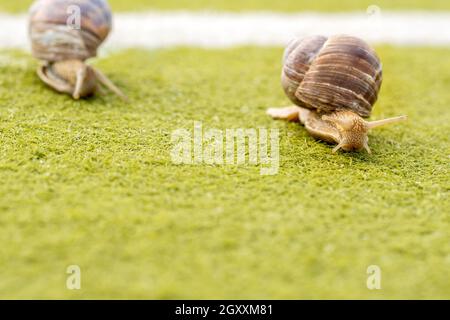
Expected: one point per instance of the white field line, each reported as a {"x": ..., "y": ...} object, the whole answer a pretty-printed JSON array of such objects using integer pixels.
[{"x": 218, "y": 30}]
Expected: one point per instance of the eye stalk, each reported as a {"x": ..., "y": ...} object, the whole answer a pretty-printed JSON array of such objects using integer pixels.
[{"x": 379, "y": 123}]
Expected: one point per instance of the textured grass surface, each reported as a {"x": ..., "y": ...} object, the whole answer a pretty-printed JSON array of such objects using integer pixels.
[
  {"x": 91, "y": 183},
  {"x": 239, "y": 5}
]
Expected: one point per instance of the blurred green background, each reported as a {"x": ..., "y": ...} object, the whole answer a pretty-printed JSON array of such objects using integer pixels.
[
  {"x": 265, "y": 5},
  {"x": 92, "y": 183}
]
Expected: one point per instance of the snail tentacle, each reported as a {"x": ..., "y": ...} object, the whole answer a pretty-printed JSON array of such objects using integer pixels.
[{"x": 103, "y": 79}]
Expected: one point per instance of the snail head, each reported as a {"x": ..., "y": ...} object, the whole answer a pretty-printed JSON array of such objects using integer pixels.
[
  {"x": 353, "y": 129},
  {"x": 78, "y": 78}
]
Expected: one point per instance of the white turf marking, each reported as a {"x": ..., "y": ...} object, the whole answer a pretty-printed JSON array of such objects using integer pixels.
[{"x": 218, "y": 30}]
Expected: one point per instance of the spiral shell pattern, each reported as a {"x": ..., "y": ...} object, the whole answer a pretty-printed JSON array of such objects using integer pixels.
[
  {"x": 54, "y": 35},
  {"x": 336, "y": 73}
]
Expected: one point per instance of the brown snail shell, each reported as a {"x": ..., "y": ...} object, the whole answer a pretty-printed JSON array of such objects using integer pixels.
[
  {"x": 53, "y": 39},
  {"x": 330, "y": 74}
]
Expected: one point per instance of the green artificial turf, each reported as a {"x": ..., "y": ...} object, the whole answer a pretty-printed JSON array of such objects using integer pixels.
[
  {"x": 91, "y": 183},
  {"x": 240, "y": 5}
]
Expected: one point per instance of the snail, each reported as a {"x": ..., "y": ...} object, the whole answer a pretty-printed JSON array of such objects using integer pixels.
[
  {"x": 334, "y": 83},
  {"x": 64, "y": 34}
]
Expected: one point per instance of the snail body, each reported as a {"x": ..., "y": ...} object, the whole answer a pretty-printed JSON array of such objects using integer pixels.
[
  {"x": 64, "y": 34},
  {"x": 334, "y": 83}
]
